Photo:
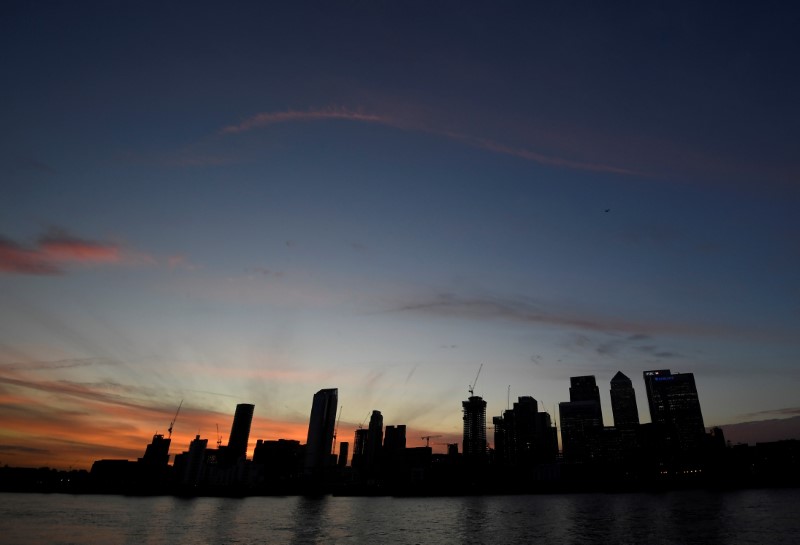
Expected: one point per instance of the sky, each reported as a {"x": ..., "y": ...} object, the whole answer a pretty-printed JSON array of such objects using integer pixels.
[{"x": 209, "y": 204}]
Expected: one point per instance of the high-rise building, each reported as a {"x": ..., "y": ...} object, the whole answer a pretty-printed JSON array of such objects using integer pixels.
[
  {"x": 240, "y": 433},
  {"x": 321, "y": 426},
  {"x": 193, "y": 467},
  {"x": 157, "y": 452},
  {"x": 474, "y": 440},
  {"x": 584, "y": 389},
  {"x": 394, "y": 448},
  {"x": 344, "y": 451},
  {"x": 524, "y": 436},
  {"x": 359, "y": 449},
  {"x": 623, "y": 402},
  {"x": 675, "y": 408},
  {"x": 372, "y": 453},
  {"x": 395, "y": 439},
  {"x": 279, "y": 460},
  {"x": 581, "y": 421}
]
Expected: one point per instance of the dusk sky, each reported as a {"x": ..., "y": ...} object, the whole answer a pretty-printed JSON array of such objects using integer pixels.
[{"x": 248, "y": 203}]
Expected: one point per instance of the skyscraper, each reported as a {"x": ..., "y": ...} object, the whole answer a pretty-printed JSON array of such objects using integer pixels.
[
  {"x": 623, "y": 402},
  {"x": 344, "y": 451},
  {"x": 359, "y": 449},
  {"x": 675, "y": 408},
  {"x": 474, "y": 428},
  {"x": 194, "y": 462},
  {"x": 240, "y": 433},
  {"x": 321, "y": 425},
  {"x": 372, "y": 453},
  {"x": 157, "y": 452},
  {"x": 581, "y": 420},
  {"x": 524, "y": 436}
]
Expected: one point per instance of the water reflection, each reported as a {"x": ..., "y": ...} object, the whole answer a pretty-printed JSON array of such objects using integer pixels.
[
  {"x": 309, "y": 519},
  {"x": 475, "y": 524},
  {"x": 742, "y": 518}
]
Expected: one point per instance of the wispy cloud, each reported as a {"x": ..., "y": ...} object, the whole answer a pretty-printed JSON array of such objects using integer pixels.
[
  {"x": 519, "y": 310},
  {"x": 265, "y": 119},
  {"x": 779, "y": 413},
  {"x": 56, "y": 250},
  {"x": 50, "y": 365},
  {"x": 528, "y": 311}
]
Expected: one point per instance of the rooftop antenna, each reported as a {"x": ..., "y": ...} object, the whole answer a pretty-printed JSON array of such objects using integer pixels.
[
  {"x": 508, "y": 399},
  {"x": 474, "y": 382},
  {"x": 219, "y": 437},
  {"x": 171, "y": 424}
]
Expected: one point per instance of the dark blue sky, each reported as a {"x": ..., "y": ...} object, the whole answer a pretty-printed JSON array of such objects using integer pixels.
[{"x": 249, "y": 203}]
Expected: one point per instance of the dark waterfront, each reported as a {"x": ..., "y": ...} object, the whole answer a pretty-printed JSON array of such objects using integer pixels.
[{"x": 745, "y": 517}]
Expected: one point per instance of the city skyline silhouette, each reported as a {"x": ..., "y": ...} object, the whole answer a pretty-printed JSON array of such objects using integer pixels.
[
  {"x": 527, "y": 453},
  {"x": 246, "y": 204}
]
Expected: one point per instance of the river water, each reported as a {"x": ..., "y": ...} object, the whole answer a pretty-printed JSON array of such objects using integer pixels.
[{"x": 745, "y": 517}]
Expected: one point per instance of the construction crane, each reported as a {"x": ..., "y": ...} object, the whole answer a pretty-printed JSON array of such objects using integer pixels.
[
  {"x": 428, "y": 439},
  {"x": 474, "y": 382},
  {"x": 171, "y": 424},
  {"x": 336, "y": 429}
]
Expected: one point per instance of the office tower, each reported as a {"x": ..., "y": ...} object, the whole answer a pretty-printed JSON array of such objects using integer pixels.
[
  {"x": 623, "y": 402},
  {"x": 321, "y": 425},
  {"x": 372, "y": 453},
  {"x": 585, "y": 389},
  {"x": 581, "y": 421},
  {"x": 474, "y": 441},
  {"x": 524, "y": 436},
  {"x": 279, "y": 460},
  {"x": 504, "y": 446},
  {"x": 344, "y": 450},
  {"x": 194, "y": 462},
  {"x": 157, "y": 452},
  {"x": 394, "y": 446},
  {"x": 675, "y": 408},
  {"x": 395, "y": 439},
  {"x": 359, "y": 448},
  {"x": 240, "y": 433}
]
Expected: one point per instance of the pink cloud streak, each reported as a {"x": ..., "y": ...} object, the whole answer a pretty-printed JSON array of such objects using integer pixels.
[
  {"x": 265, "y": 119},
  {"x": 271, "y": 118},
  {"x": 57, "y": 249}
]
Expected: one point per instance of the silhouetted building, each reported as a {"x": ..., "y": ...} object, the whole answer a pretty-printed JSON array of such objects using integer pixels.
[
  {"x": 344, "y": 451},
  {"x": 395, "y": 439},
  {"x": 581, "y": 421},
  {"x": 675, "y": 409},
  {"x": 372, "y": 453},
  {"x": 240, "y": 433},
  {"x": 524, "y": 437},
  {"x": 280, "y": 460},
  {"x": 193, "y": 462},
  {"x": 321, "y": 426},
  {"x": 394, "y": 447},
  {"x": 585, "y": 389},
  {"x": 474, "y": 440},
  {"x": 623, "y": 402},
  {"x": 156, "y": 453},
  {"x": 359, "y": 449}
]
